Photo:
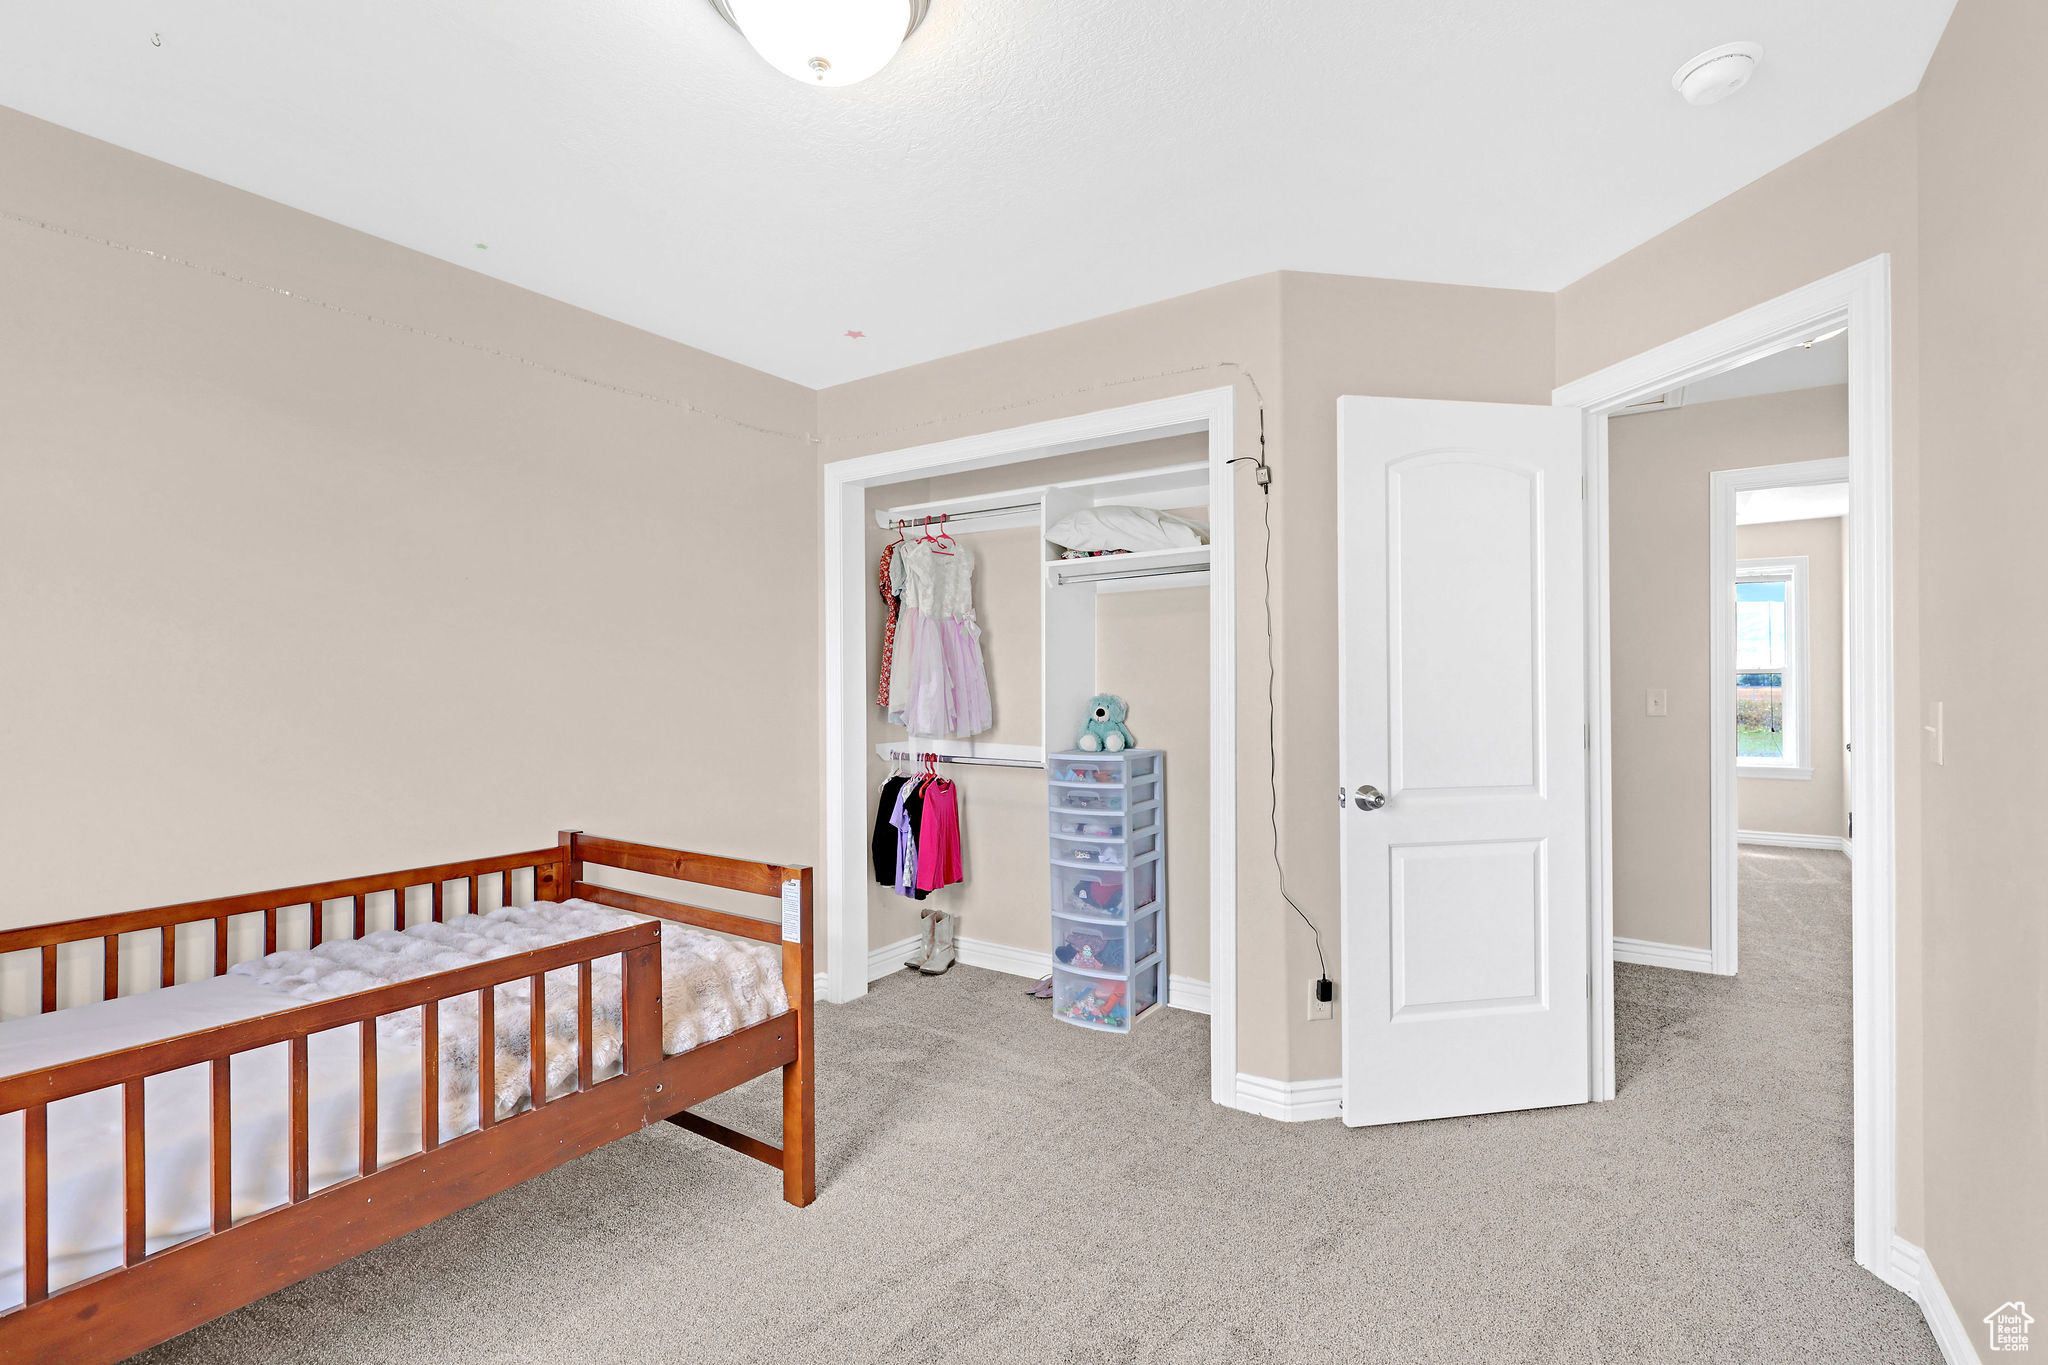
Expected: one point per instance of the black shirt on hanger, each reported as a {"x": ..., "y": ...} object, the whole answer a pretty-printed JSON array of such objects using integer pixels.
[{"x": 885, "y": 832}]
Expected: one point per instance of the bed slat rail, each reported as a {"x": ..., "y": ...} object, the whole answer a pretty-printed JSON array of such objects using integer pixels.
[
  {"x": 300, "y": 1022},
  {"x": 430, "y": 1071},
  {"x": 734, "y": 874},
  {"x": 35, "y": 1189},
  {"x": 739, "y": 926},
  {"x": 637, "y": 945},
  {"x": 108, "y": 1317},
  {"x": 548, "y": 868}
]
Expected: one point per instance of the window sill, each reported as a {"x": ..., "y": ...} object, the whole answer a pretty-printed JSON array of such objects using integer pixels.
[{"x": 1773, "y": 771}]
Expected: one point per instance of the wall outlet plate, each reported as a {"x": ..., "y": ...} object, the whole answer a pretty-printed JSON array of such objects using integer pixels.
[{"x": 1317, "y": 1009}]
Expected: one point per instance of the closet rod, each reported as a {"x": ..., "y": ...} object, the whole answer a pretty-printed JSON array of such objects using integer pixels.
[
  {"x": 1082, "y": 578},
  {"x": 952, "y": 518},
  {"x": 905, "y": 756}
]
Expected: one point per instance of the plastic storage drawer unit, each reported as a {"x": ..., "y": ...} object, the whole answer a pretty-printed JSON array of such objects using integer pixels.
[{"x": 1108, "y": 857}]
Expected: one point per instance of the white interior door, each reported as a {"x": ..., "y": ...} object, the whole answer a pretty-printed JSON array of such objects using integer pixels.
[{"x": 1462, "y": 614}]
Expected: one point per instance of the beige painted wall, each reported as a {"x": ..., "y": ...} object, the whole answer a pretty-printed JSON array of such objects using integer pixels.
[
  {"x": 1814, "y": 806},
  {"x": 1852, "y": 198},
  {"x": 405, "y": 566},
  {"x": 1659, "y": 538},
  {"x": 1152, "y": 649},
  {"x": 1984, "y": 244}
]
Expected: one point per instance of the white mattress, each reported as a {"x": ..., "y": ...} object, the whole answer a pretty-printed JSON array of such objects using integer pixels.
[{"x": 711, "y": 986}]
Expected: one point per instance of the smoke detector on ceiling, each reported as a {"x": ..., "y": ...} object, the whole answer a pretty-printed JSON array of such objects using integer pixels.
[{"x": 1717, "y": 73}]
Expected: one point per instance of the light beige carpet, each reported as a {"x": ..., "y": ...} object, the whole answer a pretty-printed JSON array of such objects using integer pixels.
[{"x": 997, "y": 1186}]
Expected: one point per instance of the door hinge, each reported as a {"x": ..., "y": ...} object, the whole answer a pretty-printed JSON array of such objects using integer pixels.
[
  {"x": 1582, "y": 488},
  {"x": 1586, "y": 736}
]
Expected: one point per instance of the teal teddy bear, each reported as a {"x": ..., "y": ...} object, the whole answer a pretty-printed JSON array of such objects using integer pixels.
[{"x": 1106, "y": 731}]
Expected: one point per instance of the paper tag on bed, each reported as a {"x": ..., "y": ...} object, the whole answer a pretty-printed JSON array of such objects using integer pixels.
[{"x": 792, "y": 912}]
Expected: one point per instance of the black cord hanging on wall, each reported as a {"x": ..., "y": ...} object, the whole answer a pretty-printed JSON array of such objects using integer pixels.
[{"x": 1262, "y": 475}]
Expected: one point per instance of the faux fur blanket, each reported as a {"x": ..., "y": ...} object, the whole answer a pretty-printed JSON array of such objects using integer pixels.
[{"x": 710, "y": 986}]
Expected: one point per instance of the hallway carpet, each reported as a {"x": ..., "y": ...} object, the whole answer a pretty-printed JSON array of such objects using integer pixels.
[{"x": 998, "y": 1186}]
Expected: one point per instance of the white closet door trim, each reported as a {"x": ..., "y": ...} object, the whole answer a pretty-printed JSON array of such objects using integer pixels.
[{"x": 847, "y": 587}]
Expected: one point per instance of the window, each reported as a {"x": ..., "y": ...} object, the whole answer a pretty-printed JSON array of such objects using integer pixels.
[{"x": 1771, "y": 668}]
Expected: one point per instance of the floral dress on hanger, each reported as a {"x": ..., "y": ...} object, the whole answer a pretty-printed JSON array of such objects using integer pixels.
[{"x": 938, "y": 685}]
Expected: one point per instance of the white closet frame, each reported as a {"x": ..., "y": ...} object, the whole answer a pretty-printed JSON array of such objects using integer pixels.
[{"x": 849, "y": 692}]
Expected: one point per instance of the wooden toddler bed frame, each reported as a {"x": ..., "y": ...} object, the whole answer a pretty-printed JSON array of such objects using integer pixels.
[{"x": 154, "y": 1297}]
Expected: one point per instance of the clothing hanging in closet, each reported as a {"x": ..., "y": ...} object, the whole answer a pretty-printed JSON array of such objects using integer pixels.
[
  {"x": 890, "y": 600},
  {"x": 916, "y": 843},
  {"x": 934, "y": 679}
]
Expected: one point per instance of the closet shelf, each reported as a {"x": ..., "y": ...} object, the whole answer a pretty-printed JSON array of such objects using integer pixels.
[
  {"x": 1164, "y": 488},
  {"x": 1188, "y": 567}
]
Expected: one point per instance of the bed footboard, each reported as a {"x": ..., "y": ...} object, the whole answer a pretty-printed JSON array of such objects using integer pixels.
[
  {"x": 796, "y": 1158},
  {"x": 153, "y": 1296}
]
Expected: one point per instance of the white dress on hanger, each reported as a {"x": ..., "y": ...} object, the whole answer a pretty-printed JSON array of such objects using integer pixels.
[{"x": 938, "y": 685}]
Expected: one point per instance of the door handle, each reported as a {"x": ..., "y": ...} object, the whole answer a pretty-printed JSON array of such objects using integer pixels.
[{"x": 1368, "y": 798}]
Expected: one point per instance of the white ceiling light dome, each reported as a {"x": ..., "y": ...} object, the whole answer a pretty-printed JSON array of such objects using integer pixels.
[
  {"x": 1717, "y": 73},
  {"x": 825, "y": 42}
]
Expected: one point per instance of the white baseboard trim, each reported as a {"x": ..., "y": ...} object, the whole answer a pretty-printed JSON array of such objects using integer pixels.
[
  {"x": 1291, "y": 1101},
  {"x": 1186, "y": 993},
  {"x": 1182, "y": 992},
  {"x": 1676, "y": 956},
  {"x": 1902, "y": 1271},
  {"x": 1001, "y": 957},
  {"x": 1911, "y": 1271},
  {"x": 890, "y": 957},
  {"x": 1833, "y": 843}
]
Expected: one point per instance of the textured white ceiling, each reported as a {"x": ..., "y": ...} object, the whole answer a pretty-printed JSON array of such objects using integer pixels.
[
  {"x": 1811, "y": 366},
  {"x": 1802, "y": 502},
  {"x": 1021, "y": 165},
  {"x": 1796, "y": 367}
]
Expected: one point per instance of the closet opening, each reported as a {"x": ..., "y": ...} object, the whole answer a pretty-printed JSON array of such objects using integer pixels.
[{"x": 1067, "y": 606}]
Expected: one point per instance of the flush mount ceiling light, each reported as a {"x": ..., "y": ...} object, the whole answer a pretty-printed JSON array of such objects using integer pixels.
[
  {"x": 825, "y": 42},
  {"x": 1717, "y": 73}
]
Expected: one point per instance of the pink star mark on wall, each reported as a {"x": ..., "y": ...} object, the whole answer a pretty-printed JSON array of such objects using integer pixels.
[{"x": 856, "y": 336}]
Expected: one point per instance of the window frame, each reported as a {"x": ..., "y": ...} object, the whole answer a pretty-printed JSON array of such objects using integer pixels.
[{"x": 1797, "y": 764}]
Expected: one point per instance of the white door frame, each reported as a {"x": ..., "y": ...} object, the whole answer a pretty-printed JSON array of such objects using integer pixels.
[
  {"x": 849, "y": 585},
  {"x": 1723, "y": 824},
  {"x": 1859, "y": 297}
]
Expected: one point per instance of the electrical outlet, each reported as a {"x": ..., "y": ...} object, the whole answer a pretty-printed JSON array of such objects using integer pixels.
[{"x": 1317, "y": 1009}]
